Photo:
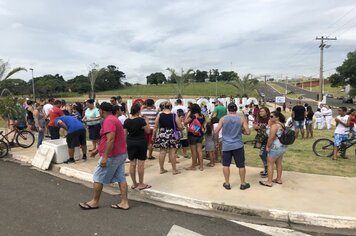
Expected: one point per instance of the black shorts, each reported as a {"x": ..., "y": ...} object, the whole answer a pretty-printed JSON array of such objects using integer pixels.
[
  {"x": 193, "y": 140},
  {"x": 137, "y": 149},
  {"x": 184, "y": 142},
  {"x": 94, "y": 132},
  {"x": 239, "y": 157},
  {"x": 77, "y": 138},
  {"x": 54, "y": 132}
]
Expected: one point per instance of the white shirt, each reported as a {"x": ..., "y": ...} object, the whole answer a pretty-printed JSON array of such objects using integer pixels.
[
  {"x": 251, "y": 119},
  {"x": 176, "y": 108},
  {"x": 340, "y": 128},
  {"x": 47, "y": 108},
  {"x": 318, "y": 115},
  {"x": 122, "y": 119}
]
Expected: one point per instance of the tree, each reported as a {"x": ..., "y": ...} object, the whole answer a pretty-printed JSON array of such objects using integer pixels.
[
  {"x": 156, "y": 78},
  {"x": 346, "y": 73},
  {"x": 15, "y": 86},
  {"x": 200, "y": 76},
  {"x": 181, "y": 80},
  {"x": 214, "y": 75},
  {"x": 244, "y": 85},
  {"x": 48, "y": 85},
  {"x": 227, "y": 76},
  {"x": 110, "y": 78},
  {"x": 4, "y": 67},
  {"x": 93, "y": 75},
  {"x": 79, "y": 84}
]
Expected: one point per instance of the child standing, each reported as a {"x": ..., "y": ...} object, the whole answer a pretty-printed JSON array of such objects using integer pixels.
[
  {"x": 209, "y": 144},
  {"x": 184, "y": 139}
]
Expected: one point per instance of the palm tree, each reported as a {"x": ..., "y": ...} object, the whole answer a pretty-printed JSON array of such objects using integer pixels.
[
  {"x": 4, "y": 74},
  {"x": 94, "y": 72},
  {"x": 181, "y": 81},
  {"x": 244, "y": 85}
]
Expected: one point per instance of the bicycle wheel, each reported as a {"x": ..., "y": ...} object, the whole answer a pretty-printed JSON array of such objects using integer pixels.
[
  {"x": 25, "y": 139},
  {"x": 4, "y": 149},
  {"x": 323, "y": 147}
]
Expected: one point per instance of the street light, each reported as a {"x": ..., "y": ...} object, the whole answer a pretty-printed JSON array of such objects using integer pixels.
[{"x": 33, "y": 86}]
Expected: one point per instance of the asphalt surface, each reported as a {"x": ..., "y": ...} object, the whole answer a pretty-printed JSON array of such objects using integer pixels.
[
  {"x": 36, "y": 203},
  {"x": 313, "y": 95}
]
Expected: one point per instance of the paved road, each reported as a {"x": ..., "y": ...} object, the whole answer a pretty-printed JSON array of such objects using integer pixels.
[
  {"x": 35, "y": 203},
  {"x": 313, "y": 95}
]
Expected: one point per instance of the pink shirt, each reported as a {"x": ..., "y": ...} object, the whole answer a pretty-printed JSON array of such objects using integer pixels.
[{"x": 112, "y": 124}]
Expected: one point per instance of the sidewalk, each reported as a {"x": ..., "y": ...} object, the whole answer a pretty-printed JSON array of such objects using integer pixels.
[{"x": 306, "y": 199}]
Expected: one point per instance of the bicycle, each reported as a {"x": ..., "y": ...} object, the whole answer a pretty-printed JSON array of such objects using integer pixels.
[
  {"x": 324, "y": 147},
  {"x": 22, "y": 137}
]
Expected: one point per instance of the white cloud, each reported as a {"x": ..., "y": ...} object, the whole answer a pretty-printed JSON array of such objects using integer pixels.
[{"x": 141, "y": 37}]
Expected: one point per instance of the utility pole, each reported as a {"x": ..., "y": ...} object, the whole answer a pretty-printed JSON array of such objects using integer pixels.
[
  {"x": 286, "y": 84},
  {"x": 322, "y": 46},
  {"x": 33, "y": 86}
]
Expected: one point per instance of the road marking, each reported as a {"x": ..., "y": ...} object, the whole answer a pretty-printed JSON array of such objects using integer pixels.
[
  {"x": 180, "y": 231},
  {"x": 274, "y": 231}
]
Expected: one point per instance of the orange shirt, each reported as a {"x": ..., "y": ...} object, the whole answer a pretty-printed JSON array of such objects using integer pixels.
[{"x": 53, "y": 114}]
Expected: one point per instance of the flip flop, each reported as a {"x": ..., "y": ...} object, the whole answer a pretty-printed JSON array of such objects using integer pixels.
[
  {"x": 134, "y": 187},
  {"x": 176, "y": 173},
  {"x": 86, "y": 206},
  {"x": 146, "y": 187},
  {"x": 117, "y": 207},
  {"x": 263, "y": 183},
  {"x": 275, "y": 181},
  {"x": 163, "y": 171}
]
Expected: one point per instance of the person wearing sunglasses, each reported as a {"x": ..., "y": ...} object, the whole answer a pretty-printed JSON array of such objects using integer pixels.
[{"x": 275, "y": 149}]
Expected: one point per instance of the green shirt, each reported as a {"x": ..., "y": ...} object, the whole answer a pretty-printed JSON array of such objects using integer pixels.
[
  {"x": 220, "y": 111},
  {"x": 92, "y": 114}
]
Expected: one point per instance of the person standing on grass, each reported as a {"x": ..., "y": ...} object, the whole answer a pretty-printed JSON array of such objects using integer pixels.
[
  {"x": 309, "y": 122},
  {"x": 135, "y": 128},
  {"x": 219, "y": 110},
  {"x": 150, "y": 113},
  {"x": 195, "y": 138},
  {"x": 233, "y": 126},
  {"x": 298, "y": 114},
  {"x": 53, "y": 114},
  {"x": 275, "y": 148},
  {"x": 76, "y": 135},
  {"x": 342, "y": 130},
  {"x": 319, "y": 119},
  {"x": 111, "y": 165},
  {"x": 92, "y": 119},
  {"x": 165, "y": 141},
  {"x": 260, "y": 125}
]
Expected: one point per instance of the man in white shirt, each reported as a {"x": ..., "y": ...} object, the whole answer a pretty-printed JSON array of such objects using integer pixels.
[
  {"x": 342, "y": 130},
  {"x": 48, "y": 106},
  {"x": 328, "y": 116},
  {"x": 179, "y": 105}
]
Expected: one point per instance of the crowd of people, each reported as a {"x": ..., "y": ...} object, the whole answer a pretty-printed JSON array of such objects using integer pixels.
[{"x": 117, "y": 135}]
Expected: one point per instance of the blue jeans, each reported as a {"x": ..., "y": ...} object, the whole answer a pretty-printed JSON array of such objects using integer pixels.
[
  {"x": 40, "y": 138},
  {"x": 263, "y": 156}
]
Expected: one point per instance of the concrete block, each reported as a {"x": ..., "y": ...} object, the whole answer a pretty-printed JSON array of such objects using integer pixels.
[
  {"x": 43, "y": 157},
  {"x": 60, "y": 150}
]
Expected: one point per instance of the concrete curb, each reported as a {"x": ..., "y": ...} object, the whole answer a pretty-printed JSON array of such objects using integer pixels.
[{"x": 290, "y": 217}]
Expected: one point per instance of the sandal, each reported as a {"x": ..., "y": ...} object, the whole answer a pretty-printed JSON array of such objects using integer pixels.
[
  {"x": 245, "y": 186},
  {"x": 145, "y": 187},
  {"x": 176, "y": 173},
  {"x": 227, "y": 186},
  {"x": 86, "y": 206},
  {"x": 116, "y": 206},
  {"x": 264, "y": 183},
  {"x": 277, "y": 182},
  {"x": 210, "y": 165},
  {"x": 163, "y": 171}
]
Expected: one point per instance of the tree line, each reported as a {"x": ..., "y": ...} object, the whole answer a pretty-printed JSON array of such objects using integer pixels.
[{"x": 198, "y": 76}]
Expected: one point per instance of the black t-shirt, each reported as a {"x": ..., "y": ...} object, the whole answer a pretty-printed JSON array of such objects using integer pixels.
[
  {"x": 299, "y": 112},
  {"x": 135, "y": 128},
  {"x": 166, "y": 120}
]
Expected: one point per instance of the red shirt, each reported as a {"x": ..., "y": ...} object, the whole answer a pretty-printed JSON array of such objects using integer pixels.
[
  {"x": 112, "y": 124},
  {"x": 53, "y": 114}
]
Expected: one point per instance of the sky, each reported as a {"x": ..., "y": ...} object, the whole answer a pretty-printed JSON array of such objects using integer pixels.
[{"x": 261, "y": 37}]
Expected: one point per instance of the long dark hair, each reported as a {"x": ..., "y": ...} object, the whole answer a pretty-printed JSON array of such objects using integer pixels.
[
  {"x": 195, "y": 109},
  {"x": 280, "y": 116},
  {"x": 209, "y": 128},
  {"x": 268, "y": 113}
]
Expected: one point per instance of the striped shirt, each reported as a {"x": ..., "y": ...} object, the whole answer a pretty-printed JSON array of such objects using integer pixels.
[{"x": 151, "y": 115}]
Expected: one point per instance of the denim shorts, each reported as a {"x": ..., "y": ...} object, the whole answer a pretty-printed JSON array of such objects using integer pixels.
[
  {"x": 339, "y": 138},
  {"x": 277, "y": 152},
  {"x": 299, "y": 124},
  {"x": 113, "y": 172}
]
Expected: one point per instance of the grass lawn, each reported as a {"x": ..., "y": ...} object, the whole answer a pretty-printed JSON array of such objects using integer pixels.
[{"x": 193, "y": 90}]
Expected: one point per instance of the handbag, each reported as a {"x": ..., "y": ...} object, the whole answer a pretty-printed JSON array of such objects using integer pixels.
[{"x": 176, "y": 133}]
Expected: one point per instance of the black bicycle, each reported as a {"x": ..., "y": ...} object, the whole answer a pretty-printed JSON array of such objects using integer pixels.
[{"x": 324, "y": 147}]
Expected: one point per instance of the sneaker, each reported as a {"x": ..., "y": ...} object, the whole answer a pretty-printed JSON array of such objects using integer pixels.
[
  {"x": 227, "y": 186},
  {"x": 151, "y": 158},
  {"x": 84, "y": 157},
  {"x": 264, "y": 174},
  {"x": 245, "y": 186},
  {"x": 70, "y": 160}
]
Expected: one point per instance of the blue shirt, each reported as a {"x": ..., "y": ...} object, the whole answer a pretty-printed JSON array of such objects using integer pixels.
[
  {"x": 73, "y": 124},
  {"x": 232, "y": 133}
]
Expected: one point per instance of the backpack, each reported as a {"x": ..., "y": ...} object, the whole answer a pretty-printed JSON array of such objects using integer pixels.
[
  {"x": 287, "y": 137},
  {"x": 195, "y": 127}
]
